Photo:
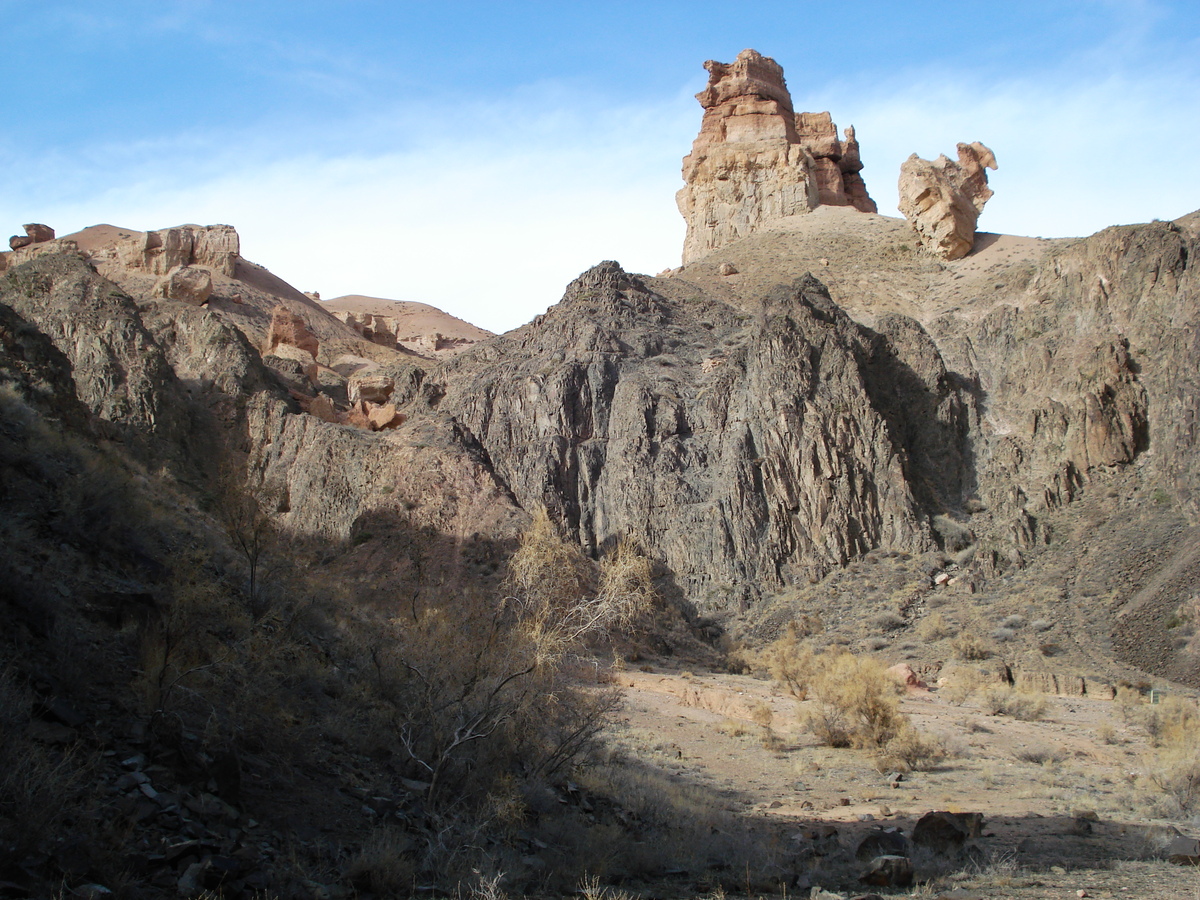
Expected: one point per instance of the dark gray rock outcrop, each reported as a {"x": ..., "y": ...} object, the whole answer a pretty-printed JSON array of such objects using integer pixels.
[{"x": 748, "y": 450}]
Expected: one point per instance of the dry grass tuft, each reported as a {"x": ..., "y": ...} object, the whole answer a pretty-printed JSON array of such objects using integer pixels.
[
  {"x": 936, "y": 627},
  {"x": 1018, "y": 705}
]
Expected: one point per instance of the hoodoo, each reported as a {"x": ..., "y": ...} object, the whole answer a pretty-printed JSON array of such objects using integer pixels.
[
  {"x": 942, "y": 199},
  {"x": 756, "y": 159}
]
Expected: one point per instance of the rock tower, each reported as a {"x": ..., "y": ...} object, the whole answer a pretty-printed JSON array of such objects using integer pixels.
[{"x": 756, "y": 159}]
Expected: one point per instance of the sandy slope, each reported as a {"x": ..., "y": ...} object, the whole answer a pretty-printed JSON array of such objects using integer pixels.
[
  {"x": 872, "y": 264},
  {"x": 412, "y": 318}
]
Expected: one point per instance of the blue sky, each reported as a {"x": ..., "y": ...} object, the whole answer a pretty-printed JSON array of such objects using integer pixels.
[{"x": 477, "y": 156}]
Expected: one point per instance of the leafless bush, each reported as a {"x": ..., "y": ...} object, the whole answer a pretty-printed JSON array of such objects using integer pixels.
[
  {"x": 481, "y": 684},
  {"x": 39, "y": 785},
  {"x": 1018, "y": 705},
  {"x": 936, "y": 627},
  {"x": 1173, "y": 767},
  {"x": 384, "y": 864},
  {"x": 910, "y": 751},
  {"x": 969, "y": 646},
  {"x": 889, "y": 620},
  {"x": 1040, "y": 756}
]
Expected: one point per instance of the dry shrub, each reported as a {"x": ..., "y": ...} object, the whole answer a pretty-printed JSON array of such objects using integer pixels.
[
  {"x": 1040, "y": 756},
  {"x": 733, "y": 728},
  {"x": 1173, "y": 767},
  {"x": 790, "y": 661},
  {"x": 936, "y": 627},
  {"x": 910, "y": 751},
  {"x": 1127, "y": 702},
  {"x": 591, "y": 889},
  {"x": 384, "y": 864},
  {"x": 969, "y": 646},
  {"x": 1170, "y": 722},
  {"x": 481, "y": 687},
  {"x": 1107, "y": 734},
  {"x": 1175, "y": 771},
  {"x": 1018, "y": 705},
  {"x": 762, "y": 714},
  {"x": 40, "y": 786},
  {"x": 962, "y": 683},
  {"x": 889, "y": 620},
  {"x": 856, "y": 703}
]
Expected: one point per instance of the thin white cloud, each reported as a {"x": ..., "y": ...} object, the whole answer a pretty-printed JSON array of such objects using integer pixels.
[{"x": 489, "y": 225}]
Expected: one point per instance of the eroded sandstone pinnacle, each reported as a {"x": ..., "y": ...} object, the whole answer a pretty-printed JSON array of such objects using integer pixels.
[
  {"x": 942, "y": 199},
  {"x": 756, "y": 159}
]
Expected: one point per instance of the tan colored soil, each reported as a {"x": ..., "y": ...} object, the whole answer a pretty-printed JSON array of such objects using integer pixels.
[
  {"x": 699, "y": 728},
  {"x": 412, "y": 318}
]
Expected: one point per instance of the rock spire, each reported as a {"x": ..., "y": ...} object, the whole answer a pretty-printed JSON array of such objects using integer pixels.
[
  {"x": 942, "y": 199},
  {"x": 756, "y": 159}
]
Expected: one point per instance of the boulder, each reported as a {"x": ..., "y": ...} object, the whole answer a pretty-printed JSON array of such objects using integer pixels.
[
  {"x": 942, "y": 200},
  {"x": 903, "y": 674},
  {"x": 755, "y": 159},
  {"x": 186, "y": 283},
  {"x": 322, "y": 407},
  {"x": 888, "y": 871},
  {"x": 1184, "y": 851},
  {"x": 40, "y": 233},
  {"x": 299, "y": 358},
  {"x": 292, "y": 372},
  {"x": 289, "y": 328},
  {"x": 358, "y": 416},
  {"x": 383, "y": 417},
  {"x": 890, "y": 842},
  {"x": 17, "y": 241},
  {"x": 946, "y": 832}
]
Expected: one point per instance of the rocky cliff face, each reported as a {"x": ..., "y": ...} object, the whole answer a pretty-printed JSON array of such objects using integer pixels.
[
  {"x": 750, "y": 450},
  {"x": 1096, "y": 367},
  {"x": 759, "y": 443},
  {"x": 751, "y": 439},
  {"x": 187, "y": 394},
  {"x": 756, "y": 159}
]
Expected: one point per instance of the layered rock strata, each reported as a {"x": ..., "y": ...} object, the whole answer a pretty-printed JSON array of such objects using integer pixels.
[
  {"x": 158, "y": 252},
  {"x": 756, "y": 159},
  {"x": 942, "y": 199}
]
